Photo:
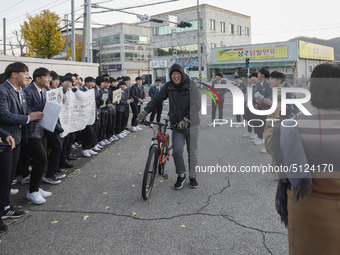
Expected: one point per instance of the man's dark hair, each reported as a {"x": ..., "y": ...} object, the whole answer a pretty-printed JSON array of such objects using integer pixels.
[
  {"x": 121, "y": 83},
  {"x": 126, "y": 78},
  {"x": 158, "y": 80},
  {"x": 138, "y": 78},
  {"x": 253, "y": 75},
  {"x": 54, "y": 75},
  {"x": 66, "y": 78},
  {"x": 99, "y": 80},
  {"x": 39, "y": 72},
  {"x": 325, "y": 86},
  {"x": 70, "y": 74},
  {"x": 112, "y": 79},
  {"x": 237, "y": 77},
  {"x": 15, "y": 67},
  {"x": 107, "y": 79},
  {"x": 219, "y": 74},
  {"x": 89, "y": 79},
  {"x": 265, "y": 72},
  {"x": 278, "y": 75},
  {"x": 106, "y": 75},
  {"x": 3, "y": 78}
]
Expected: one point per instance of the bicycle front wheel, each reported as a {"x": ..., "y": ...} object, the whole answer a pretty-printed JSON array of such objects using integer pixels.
[{"x": 150, "y": 172}]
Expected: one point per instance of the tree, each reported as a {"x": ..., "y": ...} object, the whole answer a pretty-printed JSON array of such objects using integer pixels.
[
  {"x": 21, "y": 42},
  {"x": 42, "y": 34},
  {"x": 79, "y": 47}
]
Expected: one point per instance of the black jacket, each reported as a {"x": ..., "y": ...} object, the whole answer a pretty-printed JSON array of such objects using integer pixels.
[{"x": 184, "y": 99}]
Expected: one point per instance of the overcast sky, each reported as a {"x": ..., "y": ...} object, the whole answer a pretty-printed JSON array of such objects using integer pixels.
[{"x": 271, "y": 21}]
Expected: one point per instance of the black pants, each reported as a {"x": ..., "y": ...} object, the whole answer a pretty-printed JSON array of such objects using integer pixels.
[
  {"x": 8, "y": 163},
  {"x": 248, "y": 116},
  {"x": 158, "y": 111},
  {"x": 135, "y": 111},
  {"x": 66, "y": 141},
  {"x": 23, "y": 163},
  {"x": 37, "y": 149},
  {"x": 96, "y": 128},
  {"x": 126, "y": 117},
  {"x": 120, "y": 121},
  {"x": 103, "y": 125},
  {"x": 213, "y": 110},
  {"x": 87, "y": 137},
  {"x": 111, "y": 123},
  {"x": 56, "y": 146},
  {"x": 259, "y": 130}
]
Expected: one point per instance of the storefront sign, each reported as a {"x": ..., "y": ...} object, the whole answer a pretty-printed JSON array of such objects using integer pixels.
[
  {"x": 315, "y": 51},
  {"x": 158, "y": 64},
  {"x": 186, "y": 62},
  {"x": 115, "y": 67},
  {"x": 252, "y": 53}
]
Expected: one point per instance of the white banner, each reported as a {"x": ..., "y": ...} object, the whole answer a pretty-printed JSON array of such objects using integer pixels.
[{"x": 79, "y": 110}]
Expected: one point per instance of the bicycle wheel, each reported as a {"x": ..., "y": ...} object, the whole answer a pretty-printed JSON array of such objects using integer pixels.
[{"x": 150, "y": 172}]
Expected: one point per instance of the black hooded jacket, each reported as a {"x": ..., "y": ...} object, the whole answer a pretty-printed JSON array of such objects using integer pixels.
[{"x": 184, "y": 99}]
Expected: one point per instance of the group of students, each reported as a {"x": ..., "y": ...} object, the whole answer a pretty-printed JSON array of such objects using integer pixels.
[
  {"x": 261, "y": 83},
  {"x": 38, "y": 155}
]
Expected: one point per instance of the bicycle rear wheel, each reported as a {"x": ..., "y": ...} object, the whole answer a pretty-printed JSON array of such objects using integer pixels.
[{"x": 150, "y": 172}]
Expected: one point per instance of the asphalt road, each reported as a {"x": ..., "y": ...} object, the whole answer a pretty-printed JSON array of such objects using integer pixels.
[{"x": 98, "y": 208}]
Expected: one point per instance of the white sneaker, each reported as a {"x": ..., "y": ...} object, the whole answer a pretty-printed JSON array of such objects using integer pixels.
[
  {"x": 26, "y": 180},
  {"x": 106, "y": 141},
  {"x": 102, "y": 143},
  {"x": 110, "y": 139},
  {"x": 134, "y": 129},
  {"x": 96, "y": 148},
  {"x": 256, "y": 140},
  {"x": 246, "y": 135},
  {"x": 99, "y": 146},
  {"x": 127, "y": 131},
  {"x": 139, "y": 128},
  {"x": 115, "y": 138},
  {"x": 91, "y": 152},
  {"x": 259, "y": 142},
  {"x": 253, "y": 136},
  {"x": 264, "y": 151},
  {"x": 124, "y": 134},
  {"x": 120, "y": 136},
  {"x": 44, "y": 193},
  {"x": 36, "y": 197},
  {"x": 14, "y": 191},
  {"x": 85, "y": 153}
]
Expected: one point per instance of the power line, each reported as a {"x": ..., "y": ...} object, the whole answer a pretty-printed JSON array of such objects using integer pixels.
[{"x": 12, "y": 6}]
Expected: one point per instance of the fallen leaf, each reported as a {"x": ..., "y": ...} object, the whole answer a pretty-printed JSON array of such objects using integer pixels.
[
  {"x": 118, "y": 154},
  {"x": 19, "y": 206},
  {"x": 140, "y": 172},
  {"x": 107, "y": 207},
  {"x": 161, "y": 181},
  {"x": 60, "y": 206},
  {"x": 134, "y": 136},
  {"x": 133, "y": 214},
  {"x": 95, "y": 176},
  {"x": 130, "y": 174},
  {"x": 54, "y": 222},
  {"x": 85, "y": 217},
  {"x": 29, "y": 202},
  {"x": 15, "y": 220},
  {"x": 128, "y": 197},
  {"x": 204, "y": 222},
  {"x": 78, "y": 158},
  {"x": 133, "y": 185},
  {"x": 183, "y": 226},
  {"x": 104, "y": 193}
]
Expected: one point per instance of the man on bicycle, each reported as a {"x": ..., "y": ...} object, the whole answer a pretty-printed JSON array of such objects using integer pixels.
[{"x": 184, "y": 106}]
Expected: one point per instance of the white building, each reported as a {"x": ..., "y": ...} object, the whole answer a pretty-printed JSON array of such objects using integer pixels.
[
  {"x": 122, "y": 49},
  {"x": 171, "y": 44},
  {"x": 294, "y": 58}
]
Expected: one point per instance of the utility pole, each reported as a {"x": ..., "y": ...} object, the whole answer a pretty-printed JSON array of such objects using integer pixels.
[
  {"x": 84, "y": 50},
  {"x": 73, "y": 32},
  {"x": 89, "y": 32},
  {"x": 4, "y": 23},
  {"x": 199, "y": 42}
]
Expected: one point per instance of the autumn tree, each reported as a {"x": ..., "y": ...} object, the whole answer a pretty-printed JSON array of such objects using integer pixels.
[
  {"x": 79, "y": 49},
  {"x": 42, "y": 34}
]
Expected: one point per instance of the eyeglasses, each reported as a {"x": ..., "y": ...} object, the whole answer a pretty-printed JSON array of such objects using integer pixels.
[{"x": 48, "y": 77}]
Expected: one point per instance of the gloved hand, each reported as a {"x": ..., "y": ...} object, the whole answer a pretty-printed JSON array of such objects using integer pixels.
[
  {"x": 183, "y": 124},
  {"x": 141, "y": 117}
]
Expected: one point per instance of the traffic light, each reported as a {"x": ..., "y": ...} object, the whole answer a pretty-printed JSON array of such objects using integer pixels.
[
  {"x": 247, "y": 62},
  {"x": 184, "y": 24},
  {"x": 156, "y": 20}
]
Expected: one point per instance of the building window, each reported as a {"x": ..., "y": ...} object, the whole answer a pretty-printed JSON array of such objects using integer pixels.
[
  {"x": 131, "y": 56},
  {"x": 212, "y": 24},
  {"x": 178, "y": 50},
  {"x": 166, "y": 30},
  {"x": 136, "y": 39},
  {"x": 109, "y": 58},
  {"x": 231, "y": 29},
  {"x": 223, "y": 27},
  {"x": 213, "y": 45},
  {"x": 107, "y": 40},
  {"x": 239, "y": 30},
  {"x": 247, "y": 31}
]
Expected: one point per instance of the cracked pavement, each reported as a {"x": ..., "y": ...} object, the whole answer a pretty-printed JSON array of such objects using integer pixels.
[{"x": 91, "y": 211}]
